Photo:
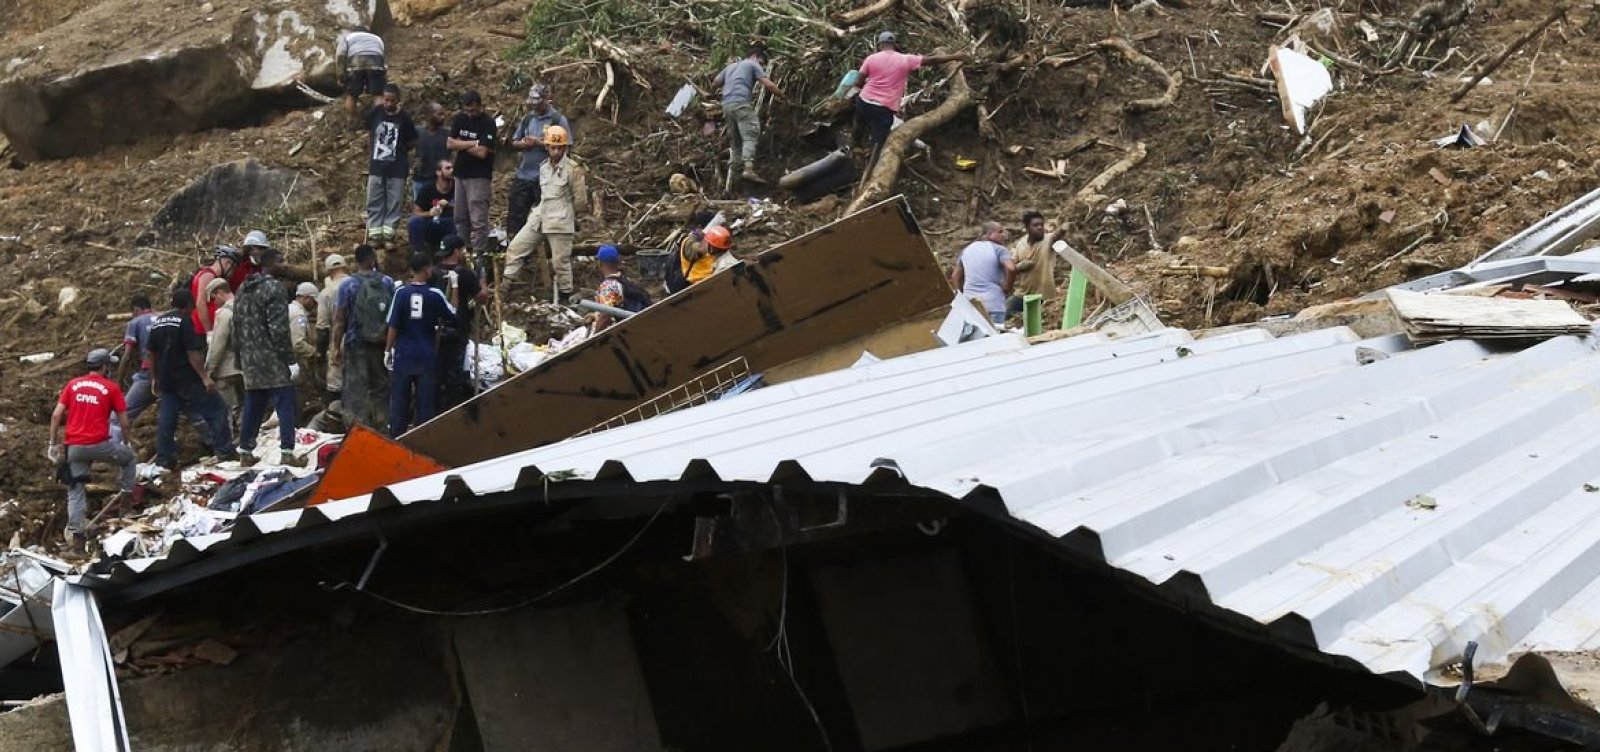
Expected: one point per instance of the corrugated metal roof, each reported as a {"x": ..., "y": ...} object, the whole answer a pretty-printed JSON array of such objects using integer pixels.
[{"x": 1390, "y": 512}]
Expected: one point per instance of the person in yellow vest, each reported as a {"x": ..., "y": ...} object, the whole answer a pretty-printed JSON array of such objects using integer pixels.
[
  {"x": 563, "y": 193},
  {"x": 711, "y": 255}
]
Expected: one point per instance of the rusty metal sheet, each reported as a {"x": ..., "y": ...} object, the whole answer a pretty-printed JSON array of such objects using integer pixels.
[{"x": 841, "y": 281}]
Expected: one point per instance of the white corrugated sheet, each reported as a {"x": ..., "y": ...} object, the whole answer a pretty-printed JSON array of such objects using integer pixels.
[{"x": 1397, "y": 509}]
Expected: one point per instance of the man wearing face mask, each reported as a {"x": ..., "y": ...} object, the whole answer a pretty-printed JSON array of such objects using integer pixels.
[{"x": 392, "y": 135}]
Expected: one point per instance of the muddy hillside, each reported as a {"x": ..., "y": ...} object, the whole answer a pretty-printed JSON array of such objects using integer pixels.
[{"x": 1152, "y": 131}]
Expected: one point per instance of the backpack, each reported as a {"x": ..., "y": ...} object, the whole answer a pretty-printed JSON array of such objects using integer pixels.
[
  {"x": 672, "y": 277},
  {"x": 371, "y": 309},
  {"x": 634, "y": 297}
]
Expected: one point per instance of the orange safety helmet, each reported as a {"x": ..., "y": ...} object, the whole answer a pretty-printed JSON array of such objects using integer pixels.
[
  {"x": 719, "y": 238},
  {"x": 555, "y": 135}
]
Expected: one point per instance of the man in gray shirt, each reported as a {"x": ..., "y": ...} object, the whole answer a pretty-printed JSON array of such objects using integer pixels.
[
  {"x": 985, "y": 271},
  {"x": 529, "y": 139},
  {"x": 738, "y": 82},
  {"x": 431, "y": 148}
]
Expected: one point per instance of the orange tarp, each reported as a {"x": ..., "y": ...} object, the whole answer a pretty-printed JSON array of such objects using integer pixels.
[{"x": 367, "y": 460}]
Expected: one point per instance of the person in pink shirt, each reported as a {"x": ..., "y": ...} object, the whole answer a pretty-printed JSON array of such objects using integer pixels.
[{"x": 883, "y": 76}]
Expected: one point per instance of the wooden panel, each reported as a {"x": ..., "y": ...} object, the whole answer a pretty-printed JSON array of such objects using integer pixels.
[{"x": 839, "y": 282}]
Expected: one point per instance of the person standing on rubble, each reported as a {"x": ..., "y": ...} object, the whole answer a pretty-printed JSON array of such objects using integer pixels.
[
  {"x": 883, "y": 85},
  {"x": 464, "y": 292},
  {"x": 1036, "y": 261},
  {"x": 738, "y": 82},
  {"x": 179, "y": 380},
  {"x": 564, "y": 192},
  {"x": 225, "y": 261},
  {"x": 360, "y": 328},
  {"x": 431, "y": 148},
  {"x": 411, "y": 347},
  {"x": 984, "y": 271},
  {"x": 432, "y": 217},
  {"x": 266, "y": 352},
  {"x": 302, "y": 314},
  {"x": 359, "y": 55},
  {"x": 222, "y": 350},
  {"x": 529, "y": 139},
  {"x": 391, "y": 134},
  {"x": 333, "y": 380},
  {"x": 472, "y": 138},
  {"x": 616, "y": 289},
  {"x": 135, "y": 339},
  {"x": 80, "y": 435}
]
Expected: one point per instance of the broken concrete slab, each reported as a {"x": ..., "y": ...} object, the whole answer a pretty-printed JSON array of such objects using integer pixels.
[
  {"x": 74, "y": 89},
  {"x": 228, "y": 196},
  {"x": 826, "y": 287}
]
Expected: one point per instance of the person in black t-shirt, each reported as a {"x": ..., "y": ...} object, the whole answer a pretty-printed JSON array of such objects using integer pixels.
[
  {"x": 473, "y": 139},
  {"x": 431, "y": 134},
  {"x": 392, "y": 134},
  {"x": 179, "y": 379},
  {"x": 433, "y": 216},
  {"x": 464, "y": 291}
]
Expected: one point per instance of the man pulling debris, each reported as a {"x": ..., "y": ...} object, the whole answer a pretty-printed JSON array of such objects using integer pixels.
[
  {"x": 883, "y": 85},
  {"x": 529, "y": 139},
  {"x": 1036, "y": 261},
  {"x": 712, "y": 254},
  {"x": 738, "y": 82},
  {"x": 563, "y": 192},
  {"x": 985, "y": 271},
  {"x": 392, "y": 134},
  {"x": 360, "y": 57},
  {"x": 84, "y": 410}
]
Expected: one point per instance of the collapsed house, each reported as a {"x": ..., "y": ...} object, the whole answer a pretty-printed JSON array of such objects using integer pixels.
[{"x": 1140, "y": 542}]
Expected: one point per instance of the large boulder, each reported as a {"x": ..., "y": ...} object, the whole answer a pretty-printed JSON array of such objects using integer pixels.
[
  {"x": 122, "y": 71},
  {"x": 229, "y": 195}
]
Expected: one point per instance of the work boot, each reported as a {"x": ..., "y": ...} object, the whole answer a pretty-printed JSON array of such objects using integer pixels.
[
  {"x": 287, "y": 459},
  {"x": 750, "y": 174},
  {"x": 246, "y": 457}
]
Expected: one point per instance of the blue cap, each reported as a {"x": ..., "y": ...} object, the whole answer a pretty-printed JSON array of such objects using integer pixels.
[{"x": 608, "y": 254}]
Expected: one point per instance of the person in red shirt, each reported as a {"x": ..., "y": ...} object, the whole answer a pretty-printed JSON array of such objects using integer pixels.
[
  {"x": 226, "y": 265},
  {"x": 85, "y": 409}
]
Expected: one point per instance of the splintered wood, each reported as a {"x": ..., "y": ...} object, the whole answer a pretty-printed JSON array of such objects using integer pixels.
[{"x": 1439, "y": 317}]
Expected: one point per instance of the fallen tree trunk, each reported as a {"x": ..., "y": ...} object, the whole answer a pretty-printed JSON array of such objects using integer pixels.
[
  {"x": 880, "y": 182},
  {"x": 865, "y": 12},
  {"x": 1090, "y": 193},
  {"x": 1173, "y": 81}
]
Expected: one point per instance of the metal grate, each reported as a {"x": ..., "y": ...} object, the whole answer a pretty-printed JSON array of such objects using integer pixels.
[{"x": 706, "y": 387}]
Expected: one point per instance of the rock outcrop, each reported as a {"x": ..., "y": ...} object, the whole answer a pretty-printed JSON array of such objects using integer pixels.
[
  {"x": 121, "y": 72},
  {"x": 229, "y": 195}
]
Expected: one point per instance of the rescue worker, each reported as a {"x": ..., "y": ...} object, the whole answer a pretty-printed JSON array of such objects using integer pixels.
[
  {"x": 266, "y": 352},
  {"x": 738, "y": 82},
  {"x": 333, "y": 380},
  {"x": 80, "y": 435},
  {"x": 563, "y": 193},
  {"x": 712, "y": 254},
  {"x": 302, "y": 314},
  {"x": 222, "y": 350}
]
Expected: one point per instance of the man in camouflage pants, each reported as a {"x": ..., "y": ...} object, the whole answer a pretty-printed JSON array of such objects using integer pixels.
[{"x": 261, "y": 329}]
